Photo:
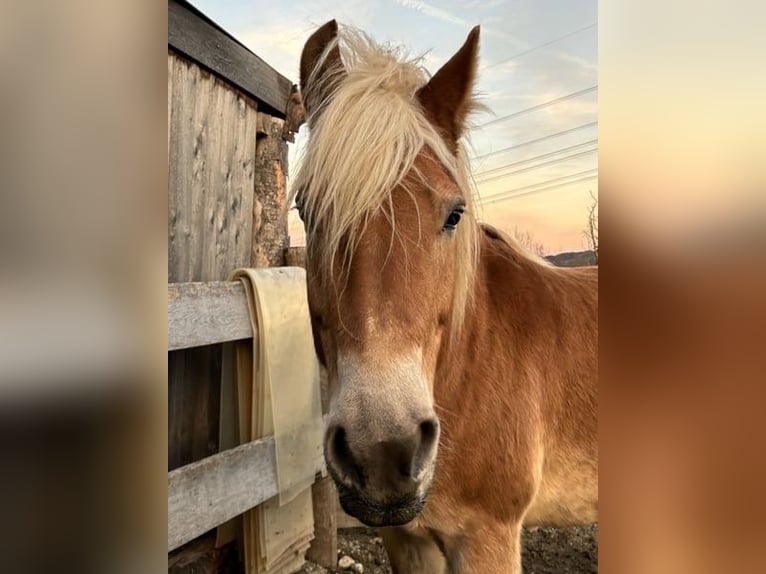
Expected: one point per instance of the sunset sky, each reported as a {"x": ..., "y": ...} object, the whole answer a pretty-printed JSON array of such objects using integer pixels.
[{"x": 539, "y": 54}]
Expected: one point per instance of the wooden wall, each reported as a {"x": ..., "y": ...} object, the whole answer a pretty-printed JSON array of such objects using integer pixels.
[
  {"x": 226, "y": 190},
  {"x": 227, "y": 163},
  {"x": 211, "y": 178}
]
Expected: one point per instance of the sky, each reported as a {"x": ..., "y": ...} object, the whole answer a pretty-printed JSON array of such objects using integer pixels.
[{"x": 535, "y": 152}]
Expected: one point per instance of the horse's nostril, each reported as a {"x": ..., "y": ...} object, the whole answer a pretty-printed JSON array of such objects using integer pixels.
[
  {"x": 342, "y": 457},
  {"x": 429, "y": 435},
  {"x": 428, "y": 431},
  {"x": 389, "y": 468}
]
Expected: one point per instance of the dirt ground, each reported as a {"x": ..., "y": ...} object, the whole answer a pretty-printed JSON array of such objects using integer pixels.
[{"x": 545, "y": 551}]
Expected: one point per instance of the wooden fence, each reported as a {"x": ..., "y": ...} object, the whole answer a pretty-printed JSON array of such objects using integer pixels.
[
  {"x": 209, "y": 492},
  {"x": 227, "y": 164}
]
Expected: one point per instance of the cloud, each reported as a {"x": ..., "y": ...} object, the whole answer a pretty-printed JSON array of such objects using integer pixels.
[
  {"x": 433, "y": 11},
  {"x": 445, "y": 16},
  {"x": 581, "y": 62},
  {"x": 472, "y": 4}
]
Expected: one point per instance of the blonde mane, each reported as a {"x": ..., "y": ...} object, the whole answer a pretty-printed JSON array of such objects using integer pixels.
[
  {"x": 516, "y": 245},
  {"x": 367, "y": 129}
]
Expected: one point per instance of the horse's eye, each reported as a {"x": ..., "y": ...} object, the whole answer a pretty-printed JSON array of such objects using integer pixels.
[{"x": 453, "y": 219}]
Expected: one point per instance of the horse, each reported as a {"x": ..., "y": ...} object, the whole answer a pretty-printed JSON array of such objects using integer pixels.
[{"x": 462, "y": 368}]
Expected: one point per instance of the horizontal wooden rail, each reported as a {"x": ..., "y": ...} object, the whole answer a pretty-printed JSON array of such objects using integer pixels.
[
  {"x": 206, "y": 313},
  {"x": 207, "y": 493}
]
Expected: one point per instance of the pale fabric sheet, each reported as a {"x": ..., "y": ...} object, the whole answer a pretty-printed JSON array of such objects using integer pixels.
[
  {"x": 288, "y": 373},
  {"x": 281, "y": 396}
]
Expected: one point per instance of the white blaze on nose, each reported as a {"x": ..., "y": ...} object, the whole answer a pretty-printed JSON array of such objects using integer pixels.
[
  {"x": 382, "y": 419},
  {"x": 380, "y": 391}
]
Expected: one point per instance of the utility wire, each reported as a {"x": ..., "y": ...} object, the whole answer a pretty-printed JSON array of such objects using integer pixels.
[
  {"x": 543, "y": 45},
  {"x": 541, "y": 139},
  {"x": 538, "y": 165},
  {"x": 512, "y": 192},
  {"x": 539, "y": 106},
  {"x": 478, "y": 176},
  {"x": 549, "y": 188}
]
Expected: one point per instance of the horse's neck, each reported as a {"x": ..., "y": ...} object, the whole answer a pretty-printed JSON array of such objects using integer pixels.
[{"x": 504, "y": 287}]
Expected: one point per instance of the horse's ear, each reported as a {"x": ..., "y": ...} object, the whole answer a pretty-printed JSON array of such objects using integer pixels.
[
  {"x": 320, "y": 68},
  {"x": 447, "y": 97}
]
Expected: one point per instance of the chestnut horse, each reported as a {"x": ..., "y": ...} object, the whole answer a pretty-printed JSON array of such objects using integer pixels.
[{"x": 462, "y": 369}]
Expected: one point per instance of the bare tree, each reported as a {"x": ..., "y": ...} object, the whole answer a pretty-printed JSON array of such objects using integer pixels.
[
  {"x": 528, "y": 240},
  {"x": 591, "y": 231}
]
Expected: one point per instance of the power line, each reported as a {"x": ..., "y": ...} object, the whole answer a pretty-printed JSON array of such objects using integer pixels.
[
  {"x": 512, "y": 192},
  {"x": 540, "y": 106},
  {"x": 543, "y": 45},
  {"x": 549, "y": 188},
  {"x": 531, "y": 159},
  {"x": 543, "y": 164},
  {"x": 545, "y": 182},
  {"x": 537, "y": 140}
]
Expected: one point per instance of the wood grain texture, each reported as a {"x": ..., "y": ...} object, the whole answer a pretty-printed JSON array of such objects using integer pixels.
[
  {"x": 270, "y": 238},
  {"x": 211, "y": 179},
  {"x": 295, "y": 256},
  {"x": 215, "y": 89},
  {"x": 198, "y": 38},
  {"x": 206, "y": 313},
  {"x": 204, "y": 556},
  {"x": 211, "y": 491},
  {"x": 211, "y": 174},
  {"x": 324, "y": 547},
  {"x": 193, "y": 404}
]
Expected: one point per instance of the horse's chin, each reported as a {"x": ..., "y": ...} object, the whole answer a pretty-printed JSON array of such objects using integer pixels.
[{"x": 377, "y": 514}]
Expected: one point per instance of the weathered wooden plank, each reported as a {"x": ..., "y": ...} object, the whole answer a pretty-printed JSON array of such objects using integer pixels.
[
  {"x": 204, "y": 556},
  {"x": 211, "y": 158},
  {"x": 295, "y": 256},
  {"x": 178, "y": 448},
  {"x": 207, "y": 313},
  {"x": 193, "y": 404},
  {"x": 209, "y": 492},
  {"x": 170, "y": 95},
  {"x": 211, "y": 179},
  {"x": 200, "y": 39}
]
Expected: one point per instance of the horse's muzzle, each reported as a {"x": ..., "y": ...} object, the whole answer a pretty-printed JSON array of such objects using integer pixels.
[{"x": 377, "y": 514}]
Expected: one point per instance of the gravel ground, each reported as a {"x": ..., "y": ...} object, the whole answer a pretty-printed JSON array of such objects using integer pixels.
[{"x": 545, "y": 551}]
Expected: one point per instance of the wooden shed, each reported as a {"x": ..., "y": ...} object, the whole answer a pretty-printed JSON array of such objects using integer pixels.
[{"x": 227, "y": 164}]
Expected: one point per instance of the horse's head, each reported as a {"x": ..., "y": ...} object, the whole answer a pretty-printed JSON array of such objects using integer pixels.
[{"x": 382, "y": 190}]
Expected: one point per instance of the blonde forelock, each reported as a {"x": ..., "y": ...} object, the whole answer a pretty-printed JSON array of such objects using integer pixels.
[{"x": 366, "y": 132}]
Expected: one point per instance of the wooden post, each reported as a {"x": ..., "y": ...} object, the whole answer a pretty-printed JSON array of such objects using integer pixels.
[
  {"x": 324, "y": 547},
  {"x": 270, "y": 238}
]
